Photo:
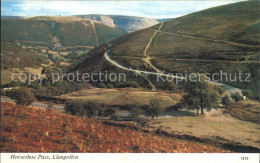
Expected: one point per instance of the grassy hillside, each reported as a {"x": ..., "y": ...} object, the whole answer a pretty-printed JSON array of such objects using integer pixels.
[
  {"x": 245, "y": 110},
  {"x": 220, "y": 38},
  {"x": 29, "y": 129},
  {"x": 16, "y": 56},
  {"x": 228, "y": 22},
  {"x": 70, "y": 31},
  {"x": 26, "y": 30},
  {"x": 105, "y": 34}
]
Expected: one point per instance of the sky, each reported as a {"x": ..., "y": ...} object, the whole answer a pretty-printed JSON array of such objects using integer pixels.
[{"x": 152, "y": 9}]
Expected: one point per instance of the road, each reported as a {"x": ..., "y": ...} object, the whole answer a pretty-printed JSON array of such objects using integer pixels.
[
  {"x": 137, "y": 71},
  {"x": 148, "y": 59},
  {"x": 38, "y": 104},
  {"x": 208, "y": 39},
  {"x": 229, "y": 89}
]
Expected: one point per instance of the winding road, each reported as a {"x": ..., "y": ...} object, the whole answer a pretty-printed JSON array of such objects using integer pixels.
[
  {"x": 38, "y": 104},
  {"x": 229, "y": 89},
  {"x": 208, "y": 39}
]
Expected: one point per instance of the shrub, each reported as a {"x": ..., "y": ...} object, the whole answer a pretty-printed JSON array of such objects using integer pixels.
[
  {"x": 132, "y": 84},
  {"x": 226, "y": 101},
  {"x": 178, "y": 105},
  {"x": 23, "y": 96},
  {"x": 82, "y": 108},
  {"x": 109, "y": 112},
  {"x": 75, "y": 107},
  {"x": 109, "y": 85},
  {"x": 221, "y": 91},
  {"x": 142, "y": 122},
  {"x": 91, "y": 109},
  {"x": 248, "y": 93},
  {"x": 237, "y": 97},
  {"x": 101, "y": 85}
]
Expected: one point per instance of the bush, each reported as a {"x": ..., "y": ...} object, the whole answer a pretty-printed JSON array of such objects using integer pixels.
[
  {"x": 75, "y": 107},
  {"x": 142, "y": 122},
  {"x": 237, "y": 97},
  {"x": 82, "y": 108},
  {"x": 221, "y": 91},
  {"x": 92, "y": 109},
  {"x": 248, "y": 93},
  {"x": 132, "y": 84},
  {"x": 109, "y": 112},
  {"x": 109, "y": 85},
  {"x": 23, "y": 96},
  {"x": 101, "y": 85},
  {"x": 226, "y": 101},
  {"x": 178, "y": 106}
]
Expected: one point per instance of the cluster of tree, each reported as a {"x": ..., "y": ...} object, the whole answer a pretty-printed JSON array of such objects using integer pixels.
[
  {"x": 88, "y": 109},
  {"x": 202, "y": 95},
  {"x": 227, "y": 101},
  {"x": 153, "y": 110},
  {"x": 91, "y": 109},
  {"x": 23, "y": 96}
]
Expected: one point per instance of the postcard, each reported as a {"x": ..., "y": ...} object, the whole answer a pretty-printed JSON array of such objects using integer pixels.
[{"x": 130, "y": 81}]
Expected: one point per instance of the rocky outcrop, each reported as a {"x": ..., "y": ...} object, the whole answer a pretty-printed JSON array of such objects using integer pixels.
[{"x": 127, "y": 23}]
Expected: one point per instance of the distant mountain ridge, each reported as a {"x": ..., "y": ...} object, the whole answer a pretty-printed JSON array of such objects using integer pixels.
[
  {"x": 67, "y": 30},
  {"x": 128, "y": 23},
  {"x": 12, "y": 17}
]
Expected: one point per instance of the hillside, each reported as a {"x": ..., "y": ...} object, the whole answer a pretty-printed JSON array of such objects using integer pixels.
[
  {"x": 221, "y": 38},
  {"x": 16, "y": 56},
  {"x": 234, "y": 22},
  {"x": 11, "y": 17},
  {"x": 127, "y": 23},
  {"x": 57, "y": 31},
  {"x": 29, "y": 129}
]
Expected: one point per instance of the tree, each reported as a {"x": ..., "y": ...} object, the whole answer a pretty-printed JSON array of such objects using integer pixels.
[
  {"x": 201, "y": 94},
  {"x": 23, "y": 96},
  {"x": 226, "y": 101},
  {"x": 154, "y": 109},
  {"x": 237, "y": 97}
]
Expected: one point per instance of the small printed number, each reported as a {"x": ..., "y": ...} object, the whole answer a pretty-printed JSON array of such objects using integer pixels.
[{"x": 244, "y": 158}]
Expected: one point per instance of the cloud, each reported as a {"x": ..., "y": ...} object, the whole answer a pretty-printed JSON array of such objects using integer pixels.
[{"x": 154, "y": 9}]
